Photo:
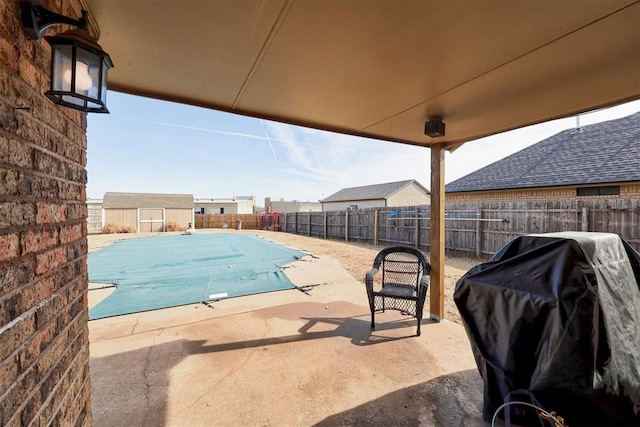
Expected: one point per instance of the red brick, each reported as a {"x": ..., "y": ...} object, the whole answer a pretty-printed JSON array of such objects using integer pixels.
[
  {"x": 49, "y": 310},
  {"x": 22, "y": 214},
  {"x": 48, "y": 213},
  {"x": 17, "y": 274},
  {"x": 77, "y": 211},
  {"x": 77, "y": 250},
  {"x": 5, "y": 214},
  {"x": 52, "y": 355},
  {"x": 31, "y": 75},
  {"x": 9, "y": 246},
  {"x": 38, "y": 240},
  {"x": 35, "y": 346},
  {"x": 8, "y": 372},
  {"x": 9, "y": 181},
  {"x": 8, "y": 118},
  {"x": 43, "y": 289},
  {"x": 8, "y": 54},
  {"x": 31, "y": 408},
  {"x": 13, "y": 337},
  {"x": 4, "y": 149},
  {"x": 70, "y": 233},
  {"x": 43, "y": 187},
  {"x": 50, "y": 260},
  {"x": 20, "y": 154},
  {"x": 34, "y": 295}
]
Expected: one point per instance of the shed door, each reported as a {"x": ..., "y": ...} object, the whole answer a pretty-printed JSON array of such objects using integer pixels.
[{"x": 150, "y": 220}]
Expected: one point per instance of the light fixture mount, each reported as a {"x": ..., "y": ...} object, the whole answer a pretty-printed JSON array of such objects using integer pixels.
[
  {"x": 78, "y": 64},
  {"x": 434, "y": 127},
  {"x": 36, "y": 19}
]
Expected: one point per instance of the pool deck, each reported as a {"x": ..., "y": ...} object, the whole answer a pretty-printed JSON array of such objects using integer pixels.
[{"x": 284, "y": 358}]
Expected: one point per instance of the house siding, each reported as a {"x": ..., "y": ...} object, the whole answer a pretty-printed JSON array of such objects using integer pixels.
[
  {"x": 290, "y": 207},
  {"x": 94, "y": 216},
  {"x": 122, "y": 217},
  {"x": 556, "y": 193},
  {"x": 213, "y": 208},
  {"x": 181, "y": 216},
  {"x": 411, "y": 195},
  {"x": 44, "y": 337}
]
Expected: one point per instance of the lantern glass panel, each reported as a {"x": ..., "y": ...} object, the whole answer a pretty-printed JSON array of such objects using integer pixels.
[
  {"x": 87, "y": 73},
  {"x": 61, "y": 67},
  {"x": 73, "y": 100},
  {"x": 103, "y": 92}
]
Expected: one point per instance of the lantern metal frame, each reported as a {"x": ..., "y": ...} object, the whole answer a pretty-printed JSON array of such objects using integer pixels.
[{"x": 78, "y": 76}]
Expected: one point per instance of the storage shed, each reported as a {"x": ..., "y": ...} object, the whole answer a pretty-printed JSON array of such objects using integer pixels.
[
  {"x": 389, "y": 194},
  {"x": 148, "y": 212}
]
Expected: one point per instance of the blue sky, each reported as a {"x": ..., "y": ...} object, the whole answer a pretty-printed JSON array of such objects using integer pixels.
[{"x": 153, "y": 146}]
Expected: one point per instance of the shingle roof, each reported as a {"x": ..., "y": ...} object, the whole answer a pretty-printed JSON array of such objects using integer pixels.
[
  {"x": 601, "y": 153},
  {"x": 147, "y": 200},
  {"x": 370, "y": 192}
]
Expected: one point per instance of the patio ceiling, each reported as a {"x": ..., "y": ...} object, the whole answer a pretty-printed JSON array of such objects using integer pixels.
[{"x": 378, "y": 69}]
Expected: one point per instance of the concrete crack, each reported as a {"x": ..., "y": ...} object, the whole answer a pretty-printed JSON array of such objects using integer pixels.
[{"x": 147, "y": 385}]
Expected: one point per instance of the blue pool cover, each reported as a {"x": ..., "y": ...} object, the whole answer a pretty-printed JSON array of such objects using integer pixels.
[{"x": 168, "y": 271}]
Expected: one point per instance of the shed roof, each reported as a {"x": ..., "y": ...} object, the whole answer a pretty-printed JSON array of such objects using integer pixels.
[
  {"x": 601, "y": 153},
  {"x": 147, "y": 200},
  {"x": 371, "y": 192}
]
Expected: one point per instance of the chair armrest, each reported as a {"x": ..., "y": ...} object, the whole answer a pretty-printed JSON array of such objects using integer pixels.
[
  {"x": 424, "y": 284},
  {"x": 368, "y": 278}
]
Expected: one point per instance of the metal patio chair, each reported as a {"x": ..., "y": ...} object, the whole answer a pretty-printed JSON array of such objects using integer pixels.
[{"x": 402, "y": 282}]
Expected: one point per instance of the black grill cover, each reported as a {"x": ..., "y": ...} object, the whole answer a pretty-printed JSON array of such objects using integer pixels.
[{"x": 554, "y": 319}]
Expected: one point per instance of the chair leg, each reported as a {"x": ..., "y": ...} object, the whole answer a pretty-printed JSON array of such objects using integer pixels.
[
  {"x": 373, "y": 320},
  {"x": 419, "y": 317}
]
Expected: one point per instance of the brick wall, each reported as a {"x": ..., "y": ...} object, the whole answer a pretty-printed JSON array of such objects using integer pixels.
[{"x": 44, "y": 345}]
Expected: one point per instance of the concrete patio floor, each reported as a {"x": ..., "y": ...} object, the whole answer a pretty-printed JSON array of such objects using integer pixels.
[{"x": 284, "y": 358}]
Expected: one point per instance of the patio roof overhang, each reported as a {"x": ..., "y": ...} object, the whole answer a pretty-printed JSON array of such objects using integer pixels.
[{"x": 380, "y": 69}]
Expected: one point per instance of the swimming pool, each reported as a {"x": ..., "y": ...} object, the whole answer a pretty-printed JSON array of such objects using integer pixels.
[{"x": 167, "y": 271}]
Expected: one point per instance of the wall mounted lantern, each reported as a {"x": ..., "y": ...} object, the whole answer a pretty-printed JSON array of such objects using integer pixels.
[{"x": 78, "y": 64}]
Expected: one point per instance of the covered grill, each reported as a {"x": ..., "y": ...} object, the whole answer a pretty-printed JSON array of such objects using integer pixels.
[{"x": 554, "y": 320}]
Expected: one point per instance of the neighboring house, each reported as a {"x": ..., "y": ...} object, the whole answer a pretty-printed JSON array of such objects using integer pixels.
[
  {"x": 95, "y": 215},
  {"x": 234, "y": 205},
  {"x": 148, "y": 212},
  {"x": 272, "y": 206},
  {"x": 597, "y": 161},
  {"x": 390, "y": 194}
]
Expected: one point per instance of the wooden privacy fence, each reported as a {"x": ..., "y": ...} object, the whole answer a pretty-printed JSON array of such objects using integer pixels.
[
  {"x": 471, "y": 230},
  {"x": 249, "y": 221}
]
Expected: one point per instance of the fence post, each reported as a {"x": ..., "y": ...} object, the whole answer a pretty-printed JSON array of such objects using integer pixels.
[
  {"x": 346, "y": 226},
  {"x": 585, "y": 219},
  {"x": 309, "y": 233},
  {"x": 417, "y": 236},
  {"x": 478, "y": 233},
  {"x": 375, "y": 228},
  {"x": 325, "y": 225}
]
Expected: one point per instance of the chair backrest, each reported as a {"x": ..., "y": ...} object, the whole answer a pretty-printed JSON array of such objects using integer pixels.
[{"x": 402, "y": 265}]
